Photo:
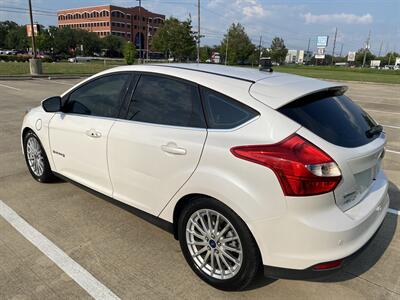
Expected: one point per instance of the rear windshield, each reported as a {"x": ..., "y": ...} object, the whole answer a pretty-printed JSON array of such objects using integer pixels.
[{"x": 335, "y": 118}]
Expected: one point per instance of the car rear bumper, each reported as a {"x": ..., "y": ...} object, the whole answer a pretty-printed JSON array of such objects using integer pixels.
[{"x": 314, "y": 229}]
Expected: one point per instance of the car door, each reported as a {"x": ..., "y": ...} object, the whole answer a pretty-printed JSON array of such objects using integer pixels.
[
  {"x": 78, "y": 134},
  {"x": 154, "y": 151}
]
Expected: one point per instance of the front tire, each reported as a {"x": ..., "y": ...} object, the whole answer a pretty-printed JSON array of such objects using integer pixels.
[
  {"x": 218, "y": 245},
  {"x": 36, "y": 158}
]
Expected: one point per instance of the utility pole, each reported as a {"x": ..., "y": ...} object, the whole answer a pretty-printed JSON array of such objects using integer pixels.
[
  {"x": 35, "y": 65},
  {"x": 380, "y": 49},
  {"x": 259, "y": 50},
  {"x": 198, "y": 31},
  {"x": 366, "y": 47},
  {"x": 226, "y": 49},
  {"x": 308, "y": 47},
  {"x": 341, "y": 50},
  {"x": 140, "y": 30},
  {"x": 334, "y": 46},
  {"x": 32, "y": 30}
]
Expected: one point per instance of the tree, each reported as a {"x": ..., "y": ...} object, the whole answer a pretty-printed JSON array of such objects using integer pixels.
[
  {"x": 176, "y": 38},
  {"x": 360, "y": 57},
  {"x": 129, "y": 53},
  {"x": 90, "y": 42},
  {"x": 114, "y": 45},
  {"x": 278, "y": 50},
  {"x": 5, "y": 28},
  {"x": 239, "y": 45},
  {"x": 65, "y": 40}
]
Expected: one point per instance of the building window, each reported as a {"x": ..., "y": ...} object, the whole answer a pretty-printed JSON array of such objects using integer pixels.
[
  {"x": 108, "y": 23},
  {"x": 135, "y": 27},
  {"x": 135, "y": 17}
]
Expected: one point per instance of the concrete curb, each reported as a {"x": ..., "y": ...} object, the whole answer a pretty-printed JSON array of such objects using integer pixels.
[{"x": 49, "y": 77}]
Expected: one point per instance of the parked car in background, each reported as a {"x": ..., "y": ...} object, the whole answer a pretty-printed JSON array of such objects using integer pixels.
[{"x": 248, "y": 169}]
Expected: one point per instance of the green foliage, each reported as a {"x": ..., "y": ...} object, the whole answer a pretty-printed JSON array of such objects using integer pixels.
[
  {"x": 239, "y": 45},
  {"x": 278, "y": 50},
  {"x": 16, "y": 58},
  {"x": 129, "y": 53},
  {"x": 360, "y": 57},
  {"x": 114, "y": 45},
  {"x": 176, "y": 38}
]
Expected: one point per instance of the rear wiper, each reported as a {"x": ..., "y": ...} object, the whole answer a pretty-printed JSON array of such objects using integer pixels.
[{"x": 374, "y": 130}]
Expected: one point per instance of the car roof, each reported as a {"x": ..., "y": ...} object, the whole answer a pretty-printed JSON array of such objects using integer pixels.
[{"x": 274, "y": 89}]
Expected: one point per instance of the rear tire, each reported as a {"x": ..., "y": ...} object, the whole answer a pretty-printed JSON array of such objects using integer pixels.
[
  {"x": 218, "y": 245},
  {"x": 36, "y": 158}
]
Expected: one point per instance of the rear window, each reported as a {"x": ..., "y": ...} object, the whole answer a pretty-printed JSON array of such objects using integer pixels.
[
  {"x": 223, "y": 112},
  {"x": 335, "y": 118}
]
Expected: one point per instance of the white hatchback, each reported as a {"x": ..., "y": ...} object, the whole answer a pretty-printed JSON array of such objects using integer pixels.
[{"x": 247, "y": 168}]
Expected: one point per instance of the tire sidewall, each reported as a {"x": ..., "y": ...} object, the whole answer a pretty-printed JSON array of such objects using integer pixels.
[{"x": 251, "y": 255}]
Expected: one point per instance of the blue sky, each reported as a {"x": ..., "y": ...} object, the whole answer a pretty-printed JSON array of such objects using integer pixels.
[{"x": 294, "y": 20}]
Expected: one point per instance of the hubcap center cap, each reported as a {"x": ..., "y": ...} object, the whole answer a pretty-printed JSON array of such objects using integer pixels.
[{"x": 212, "y": 244}]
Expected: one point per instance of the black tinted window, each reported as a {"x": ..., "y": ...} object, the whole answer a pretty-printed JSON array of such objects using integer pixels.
[
  {"x": 223, "y": 112},
  {"x": 336, "y": 119},
  {"x": 101, "y": 97},
  {"x": 166, "y": 101}
]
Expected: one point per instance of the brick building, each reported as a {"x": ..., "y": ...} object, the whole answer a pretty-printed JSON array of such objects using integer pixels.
[{"x": 104, "y": 20}]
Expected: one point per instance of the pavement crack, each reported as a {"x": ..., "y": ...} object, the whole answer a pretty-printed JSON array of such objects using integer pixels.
[{"x": 371, "y": 282}]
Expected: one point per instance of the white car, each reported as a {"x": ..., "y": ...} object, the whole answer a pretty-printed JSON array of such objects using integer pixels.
[{"x": 246, "y": 168}]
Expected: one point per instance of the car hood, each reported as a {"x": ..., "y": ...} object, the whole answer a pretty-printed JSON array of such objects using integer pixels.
[{"x": 276, "y": 91}]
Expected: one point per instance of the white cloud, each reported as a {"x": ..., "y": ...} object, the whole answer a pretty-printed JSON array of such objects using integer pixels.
[
  {"x": 251, "y": 8},
  {"x": 338, "y": 18}
]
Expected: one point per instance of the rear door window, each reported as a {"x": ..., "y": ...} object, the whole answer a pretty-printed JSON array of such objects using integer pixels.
[
  {"x": 335, "y": 118},
  {"x": 166, "y": 101},
  {"x": 223, "y": 112}
]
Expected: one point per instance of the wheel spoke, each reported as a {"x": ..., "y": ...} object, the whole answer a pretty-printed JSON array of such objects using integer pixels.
[
  {"x": 205, "y": 259},
  {"x": 198, "y": 228},
  {"x": 225, "y": 262},
  {"x": 196, "y": 234},
  {"x": 216, "y": 224},
  {"x": 223, "y": 253},
  {"x": 202, "y": 250},
  {"x": 209, "y": 221},
  {"x": 198, "y": 243},
  {"x": 231, "y": 249},
  {"x": 212, "y": 263},
  {"x": 223, "y": 231},
  {"x": 202, "y": 222}
]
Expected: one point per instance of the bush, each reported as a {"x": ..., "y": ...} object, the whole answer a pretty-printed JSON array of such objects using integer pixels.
[
  {"x": 129, "y": 53},
  {"x": 17, "y": 58}
]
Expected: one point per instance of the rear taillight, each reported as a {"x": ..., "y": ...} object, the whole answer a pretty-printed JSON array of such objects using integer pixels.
[
  {"x": 328, "y": 265},
  {"x": 301, "y": 167}
]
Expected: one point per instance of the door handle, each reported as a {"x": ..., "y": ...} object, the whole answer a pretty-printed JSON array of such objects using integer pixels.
[
  {"x": 93, "y": 133},
  {"x": 172, "y": 148}
]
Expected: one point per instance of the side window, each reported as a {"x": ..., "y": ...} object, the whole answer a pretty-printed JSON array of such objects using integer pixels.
[
  {"x": 166, "y": 101},
  {"x": 101, "y": 97},
  {"x": 223, "y": 112}
]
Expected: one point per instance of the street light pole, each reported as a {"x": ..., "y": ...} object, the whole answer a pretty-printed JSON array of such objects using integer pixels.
[
  {"x": 198, "y": 31},
  {"x": 140, "y": 29},
  {"x": 226, "y": 49}
]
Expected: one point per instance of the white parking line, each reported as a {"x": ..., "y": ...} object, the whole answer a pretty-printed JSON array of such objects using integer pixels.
[
  {"x": 393, "y": 211},
  {"x": 10, "y": 87},
  {"x": 383, "y": 111},
  {"x": 374, "y": 97},
  {"x": 392, "y": 151},
  {"x": 81, "y": 276},
  {"x": 55, "y": 81},
  {"x": 391, "y": 126}
]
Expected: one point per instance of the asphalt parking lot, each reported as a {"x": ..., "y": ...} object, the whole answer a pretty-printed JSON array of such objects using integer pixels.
[{"x": 134, "y": 259}]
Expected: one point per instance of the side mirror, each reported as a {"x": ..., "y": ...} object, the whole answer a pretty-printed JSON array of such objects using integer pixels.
[{"x": 52, "y": 104}]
